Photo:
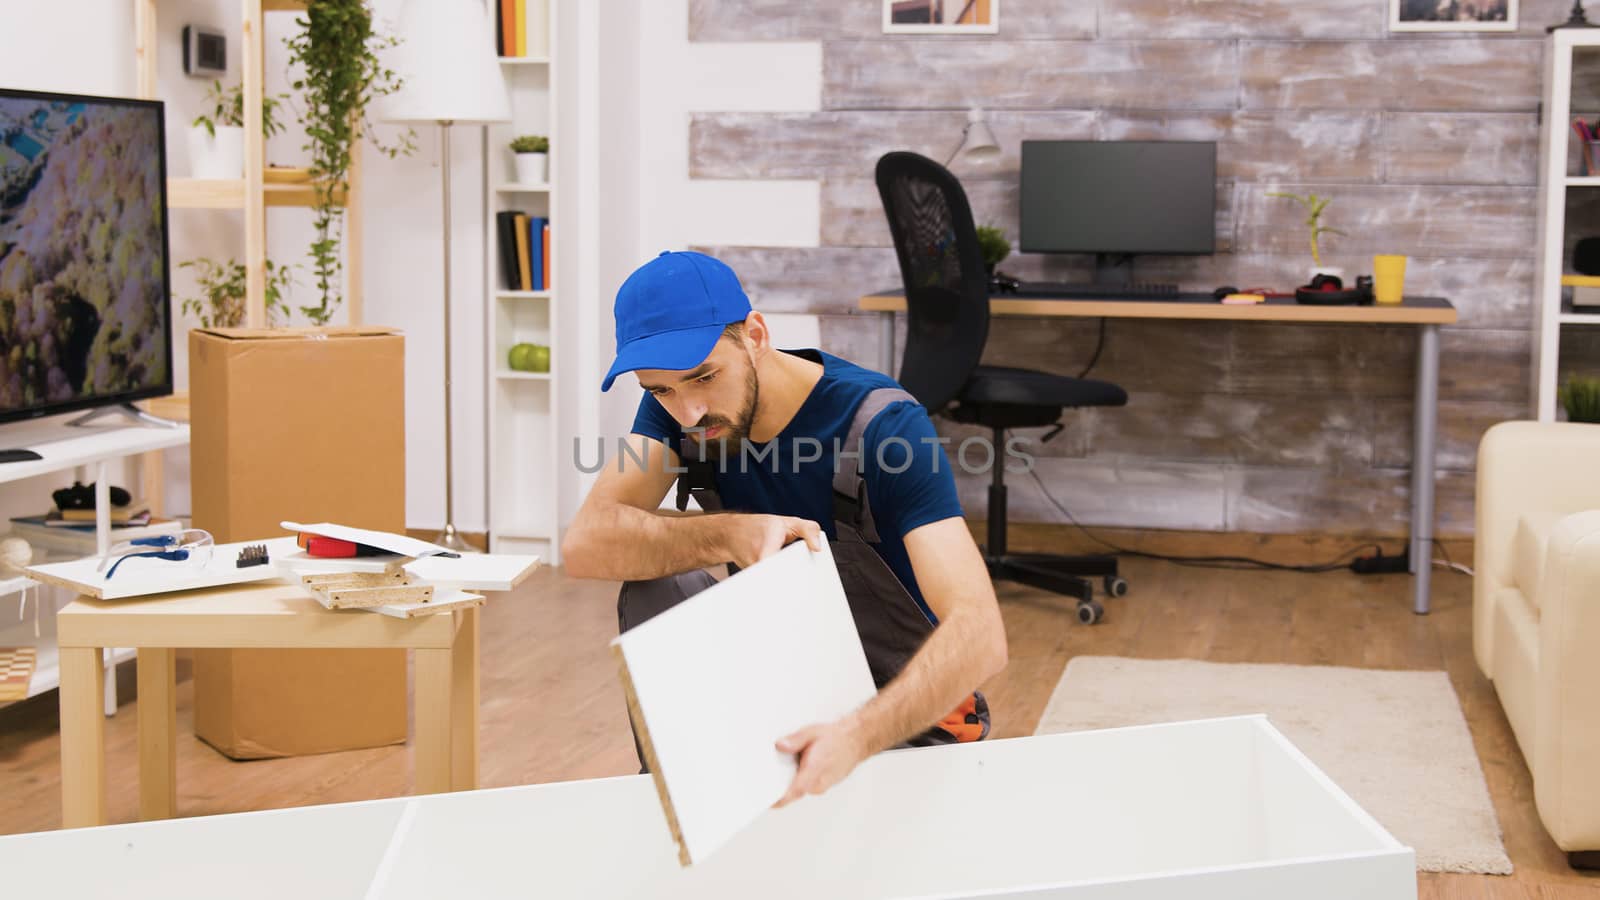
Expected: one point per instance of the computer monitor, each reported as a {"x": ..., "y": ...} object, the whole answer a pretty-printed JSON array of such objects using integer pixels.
[
  {"x": 84, "y": 276},
  {"x": 1118, "y": 198}
]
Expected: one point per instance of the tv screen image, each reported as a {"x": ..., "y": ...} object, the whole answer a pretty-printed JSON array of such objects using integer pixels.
[{"x": 84, "y": 285}]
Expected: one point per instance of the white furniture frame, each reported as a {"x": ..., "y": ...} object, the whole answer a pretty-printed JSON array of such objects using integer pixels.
[
  {"x": 1222, "y": 808},
  {"x": 524, "y": 407},
  {"x": 1556, "y": 142},
  {"x": 89, "y": 450}
]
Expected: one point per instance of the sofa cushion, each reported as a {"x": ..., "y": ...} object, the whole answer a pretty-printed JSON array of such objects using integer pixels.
[{"x": 1528, "y": 549}]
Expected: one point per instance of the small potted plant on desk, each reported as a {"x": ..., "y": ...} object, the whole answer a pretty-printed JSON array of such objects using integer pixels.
[
  {"x": 216, "y": 138},
  {"x": 532, "y": 158},
  {"x": 995, "y": 248},
  {"x": 1581, "y": 397},
  {"x": 1315, "y": 207}
]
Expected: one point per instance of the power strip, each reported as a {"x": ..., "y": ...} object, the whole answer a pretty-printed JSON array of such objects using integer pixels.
[{"x": 1379, "y": 564}]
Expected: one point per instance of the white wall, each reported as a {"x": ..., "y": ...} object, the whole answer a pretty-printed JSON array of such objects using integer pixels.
[
  {"x": 677, "y": 78},
  {"x": 655, "y": 79}
]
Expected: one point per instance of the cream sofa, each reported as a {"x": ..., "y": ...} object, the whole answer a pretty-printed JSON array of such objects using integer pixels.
[{"x": 1536, "y": 612}]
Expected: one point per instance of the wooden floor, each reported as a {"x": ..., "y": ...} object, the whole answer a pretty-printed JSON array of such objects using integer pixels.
[{"x": 553, "y": 711}]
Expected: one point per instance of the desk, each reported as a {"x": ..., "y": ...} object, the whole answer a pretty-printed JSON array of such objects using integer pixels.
[
  {"x": 261, "y": 615},
  {"x": 1426, "y": 313}
]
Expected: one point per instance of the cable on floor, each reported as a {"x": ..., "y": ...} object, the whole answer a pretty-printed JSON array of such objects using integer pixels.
[{"x": 1338, "y": 563}]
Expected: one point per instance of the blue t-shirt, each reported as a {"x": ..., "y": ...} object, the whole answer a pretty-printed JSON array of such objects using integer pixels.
[{"x": 907, "y": 473}]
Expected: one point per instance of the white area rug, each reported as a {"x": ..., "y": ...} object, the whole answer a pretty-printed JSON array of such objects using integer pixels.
[{"x": 1396, "y": 742}]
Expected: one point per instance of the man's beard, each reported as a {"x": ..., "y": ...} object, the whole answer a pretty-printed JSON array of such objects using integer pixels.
[{"x": 734, "y": 432}]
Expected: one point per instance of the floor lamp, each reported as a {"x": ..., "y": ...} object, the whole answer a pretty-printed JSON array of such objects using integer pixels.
[{"x": 450, "y": 75}]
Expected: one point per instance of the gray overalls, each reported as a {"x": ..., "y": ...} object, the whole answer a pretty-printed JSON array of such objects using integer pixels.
[{"x": 888, "y": 620}]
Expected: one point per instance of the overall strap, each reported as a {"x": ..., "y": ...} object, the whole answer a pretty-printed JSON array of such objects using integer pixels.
[
  {"x": 699, "y": 481},
  {"x": 850, "y": 504}
]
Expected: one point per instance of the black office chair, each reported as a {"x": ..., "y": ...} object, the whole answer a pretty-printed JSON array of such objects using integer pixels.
[{"x": 947, "y": 307}]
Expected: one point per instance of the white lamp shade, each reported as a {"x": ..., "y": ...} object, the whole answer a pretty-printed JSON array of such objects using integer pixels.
[
  {"x": 447, "y": 64},
  {"x": 978, "y": 145}
]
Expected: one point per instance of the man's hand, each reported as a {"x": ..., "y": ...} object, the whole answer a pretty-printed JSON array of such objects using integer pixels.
[
  {"x": 827, "y": 754},
  {"x": 752, "y": 538}
]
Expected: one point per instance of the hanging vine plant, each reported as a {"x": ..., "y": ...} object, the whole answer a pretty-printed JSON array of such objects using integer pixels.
[{"x": 338, "y": 48}]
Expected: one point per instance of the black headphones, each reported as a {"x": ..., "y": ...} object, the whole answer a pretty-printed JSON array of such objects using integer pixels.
[{"x": 1328, "y": 290}]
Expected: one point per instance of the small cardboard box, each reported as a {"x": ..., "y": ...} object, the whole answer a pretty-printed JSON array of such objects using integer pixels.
[{"x": 307, "y": 425}]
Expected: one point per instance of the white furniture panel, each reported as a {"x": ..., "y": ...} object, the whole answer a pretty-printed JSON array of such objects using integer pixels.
[{"x": 1221, "y": 808}]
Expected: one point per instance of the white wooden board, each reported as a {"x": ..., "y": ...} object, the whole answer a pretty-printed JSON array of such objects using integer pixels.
[
  {"x": 383, "y": 540},
  {"x": 476, "y": 571},
  {"x": 1224, "y": 809},
  {"x": 715, "y": 682},
  {"x": 469, "y": 572},
  {"x": 143, "y": 577}
]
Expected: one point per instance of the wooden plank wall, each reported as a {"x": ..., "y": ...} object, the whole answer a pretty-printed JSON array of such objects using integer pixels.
[{"x": 1428, "y": 144}]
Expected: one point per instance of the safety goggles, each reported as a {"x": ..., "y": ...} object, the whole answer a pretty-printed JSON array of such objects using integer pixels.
[{"x": 193, "y": 547}]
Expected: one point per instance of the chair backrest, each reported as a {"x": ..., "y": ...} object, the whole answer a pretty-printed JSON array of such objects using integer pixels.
[{"x": 947, "y": 286}]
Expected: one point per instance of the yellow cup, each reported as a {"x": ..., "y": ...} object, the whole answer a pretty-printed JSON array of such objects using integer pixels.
[{"x": 1388, "y": 278}]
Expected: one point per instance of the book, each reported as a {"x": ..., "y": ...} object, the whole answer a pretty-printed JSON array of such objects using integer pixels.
[
  {"x": 536, "y": 253},
  {"x": 508, "y": 22},
  {"x": 545, "y": 278},
  {"x": 524, "y": 275},
  {"x": 535, "y": 28},
  {"x": 521, "y": 28},
  {"x": 120, "y": 515},
  {"x": 1585, "y": 296},
  {"x": 81, "y": 539},
  {"x": 55, "y": 520},
  {"x": 506, "y": 225},
  {"x": 1580, "y": 280}
]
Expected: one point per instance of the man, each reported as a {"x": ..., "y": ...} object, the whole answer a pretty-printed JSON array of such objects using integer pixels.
[{"x": 776, "y": 425}]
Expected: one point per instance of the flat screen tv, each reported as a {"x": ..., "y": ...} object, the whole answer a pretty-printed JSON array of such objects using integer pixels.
[{"x": 84, "y": 276}]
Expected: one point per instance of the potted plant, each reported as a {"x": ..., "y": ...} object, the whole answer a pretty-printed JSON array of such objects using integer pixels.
[
  {"x": 995, "y": 248},
  {"x": 1315, "y": 207},
  {"x": 222, "y": 290},
  {"x": 216, "y": 137},
  {"x": 1581, "y": 397},
  {"x": 337, "y": 49},
  {"x": 532, "y": 156}
]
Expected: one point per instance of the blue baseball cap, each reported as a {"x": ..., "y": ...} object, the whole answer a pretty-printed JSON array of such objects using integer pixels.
[{"x": 671, "y": 311}]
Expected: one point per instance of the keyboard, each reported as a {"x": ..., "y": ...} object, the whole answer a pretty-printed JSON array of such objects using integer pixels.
[{"x": 1094, "y": 291}]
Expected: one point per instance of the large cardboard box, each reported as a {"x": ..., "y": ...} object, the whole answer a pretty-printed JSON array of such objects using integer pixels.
[{"x": 307, "y": 425}]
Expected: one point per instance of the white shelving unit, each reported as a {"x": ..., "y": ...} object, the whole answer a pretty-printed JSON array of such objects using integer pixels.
[
  {"x": 1556, "y": 143},
  {"x": 523, "y": 407},
  {"x": 87, "y": 453}
]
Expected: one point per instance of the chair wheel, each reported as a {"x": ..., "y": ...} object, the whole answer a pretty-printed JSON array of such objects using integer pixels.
[
  {"x": 1090, "y": 612},
  {"x": 1116, "y": 587}
]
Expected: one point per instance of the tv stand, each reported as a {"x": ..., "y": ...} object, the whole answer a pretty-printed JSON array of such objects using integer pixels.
[
  {"x": 125, "y": 410},
  {"x": 87, "y": 454}
]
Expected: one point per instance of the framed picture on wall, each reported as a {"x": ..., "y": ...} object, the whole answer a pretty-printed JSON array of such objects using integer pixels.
[
  {"x": 1453, "y": 15},
  {"x": 941, "y": 16}
]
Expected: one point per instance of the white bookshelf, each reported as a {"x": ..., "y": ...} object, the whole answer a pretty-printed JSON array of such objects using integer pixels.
[
  {"x": 1567, "y": 48},
  {"x": 523, "y": 407},
  {"x": 86, "y": 452}
]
